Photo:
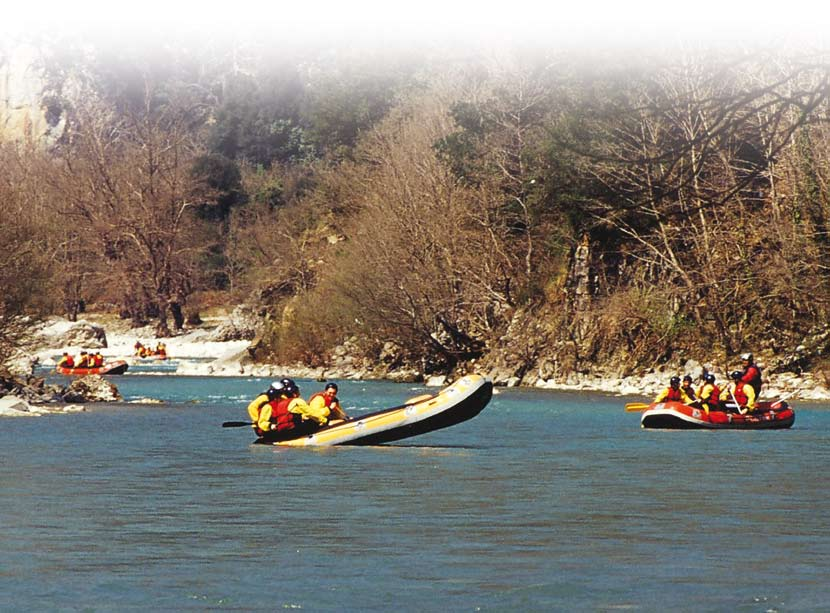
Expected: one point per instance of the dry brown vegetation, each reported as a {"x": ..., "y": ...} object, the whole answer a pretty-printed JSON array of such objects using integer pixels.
[{"x": 635, "y": 212}]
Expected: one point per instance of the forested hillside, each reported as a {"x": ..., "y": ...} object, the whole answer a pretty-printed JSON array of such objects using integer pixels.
[{"x": 540, "y": 211}]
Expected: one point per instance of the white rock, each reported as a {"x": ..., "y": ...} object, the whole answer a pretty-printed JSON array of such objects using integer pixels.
[{"x": 12, "y": 405}]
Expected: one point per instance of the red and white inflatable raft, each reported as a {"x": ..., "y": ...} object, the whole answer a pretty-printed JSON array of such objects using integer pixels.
[
  {"x": 769, "y": 415},
  {"x": 118, "y": 367}
]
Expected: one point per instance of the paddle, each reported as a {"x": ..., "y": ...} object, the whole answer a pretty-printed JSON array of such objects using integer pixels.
[
  {"x": 782, "y": 399},
  {"x": 632, "y": 407},
  {"x": 237, "y": 424}
]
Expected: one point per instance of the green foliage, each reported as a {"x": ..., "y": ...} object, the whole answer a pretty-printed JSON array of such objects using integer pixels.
[
  {"x": 222, "y": 181},
  {"x": 260, "y": 121}
]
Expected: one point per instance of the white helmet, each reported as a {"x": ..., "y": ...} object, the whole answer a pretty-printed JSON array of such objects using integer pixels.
[{"x": 747, "y": 357}]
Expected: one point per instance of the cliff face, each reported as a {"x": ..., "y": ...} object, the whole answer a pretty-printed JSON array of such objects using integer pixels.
[{"x": 25, "y": 112}]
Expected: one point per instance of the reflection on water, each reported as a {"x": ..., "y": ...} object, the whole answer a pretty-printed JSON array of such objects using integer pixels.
[{"x": 544, "y": 501}]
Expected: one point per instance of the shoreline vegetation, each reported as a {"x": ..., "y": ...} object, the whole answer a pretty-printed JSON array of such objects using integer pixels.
[{"x": 543, "y": 217}]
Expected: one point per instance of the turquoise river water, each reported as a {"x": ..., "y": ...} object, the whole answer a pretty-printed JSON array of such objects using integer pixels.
[{"x": 545, "y": 501}]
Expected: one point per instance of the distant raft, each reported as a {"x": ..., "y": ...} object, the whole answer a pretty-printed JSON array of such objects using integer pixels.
[
  {"x": 459, "y": 402},
  {"x": 769, "y": 415},
  {"x": 118, "y": 367}
]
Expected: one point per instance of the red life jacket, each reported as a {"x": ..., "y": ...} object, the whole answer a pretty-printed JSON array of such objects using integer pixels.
[
  {"x": 752, "y": 375},
  {"x": 740, "y": 394},
  {"x": 329, "y": 400},
  {"x": 280, "y": 414},
  {"x": 674, "y": 394}
]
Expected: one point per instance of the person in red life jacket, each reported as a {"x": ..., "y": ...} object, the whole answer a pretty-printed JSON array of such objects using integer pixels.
[
  {"x": 751, "y": 373},
  {"x": 673, "y": 392},
  {"x": 709, "y": 394},
  {"x": 97, "y": 360},
  {"x": 686, "y": 386},
  {"x": 260, "y": 403},
  {"x": 290, "y": 414},
  {"x": 739, "y": 391},
  {"x": 67, "y": 361},
  {"x": 83, "y": 361},
  {"x": 328, "y": 399},
  {"x": 308, "y": 419}
]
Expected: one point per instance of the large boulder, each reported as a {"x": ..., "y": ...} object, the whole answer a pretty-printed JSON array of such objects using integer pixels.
[
  {"x": 92, "y": 388},
  {"x": 84, "y": 334}
]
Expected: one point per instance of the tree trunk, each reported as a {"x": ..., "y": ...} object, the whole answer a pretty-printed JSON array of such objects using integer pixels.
[
  {"x": 178, "y": 316},
  {"x": 162, "y": 328}
]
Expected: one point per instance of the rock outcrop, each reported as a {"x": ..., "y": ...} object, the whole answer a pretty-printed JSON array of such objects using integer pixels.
[
  {"x": 92, "y": 388},
  {"x": 28, "y": 109},
  {"x": 84, "y": 334}
]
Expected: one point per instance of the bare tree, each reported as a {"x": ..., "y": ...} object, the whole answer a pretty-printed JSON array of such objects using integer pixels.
[
  {"x": 682, "y": 160},
  {"x": 127, "y": 186}
]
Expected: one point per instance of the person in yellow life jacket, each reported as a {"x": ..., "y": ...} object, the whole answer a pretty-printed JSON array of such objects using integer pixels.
[
  {"x": 67, "y": 361},
  {"x": 138, "y": 349},
  {"x": 686, "y": 386},
  {"x": 83, "y": 361},
  {"x": 311, "y": 418},
  {"x": 97, "y": 360},
  {"x": 742, "y": 393},
  {"x": 328, "y": 399},
  {"x": 673, "y": 392},
  {"x": 274, "y": 392},
  {"x": 709, "y": 394}
]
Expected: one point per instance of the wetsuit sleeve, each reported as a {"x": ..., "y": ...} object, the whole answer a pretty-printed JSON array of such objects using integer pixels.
[
  {"x": 662, "y": 395},
  {"x": 317, "y": 404},
  {"x": 684, "y": 397},
  {"x": 264, "y": 420},
  {"x": 255, "y": 406},
  {"x": 750, "y": 397},
  {"x": 750, "y": 374},
  {"x": 301, "y": 407}
]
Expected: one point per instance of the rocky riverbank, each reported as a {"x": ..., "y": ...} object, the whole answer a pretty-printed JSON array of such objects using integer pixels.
[{"x": 216, "y": 349}]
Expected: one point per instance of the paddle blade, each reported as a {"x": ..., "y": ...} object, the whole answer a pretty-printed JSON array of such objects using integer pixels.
[
  {"x": 237, "y": 424},
  {"x": 632, "y": 407}
]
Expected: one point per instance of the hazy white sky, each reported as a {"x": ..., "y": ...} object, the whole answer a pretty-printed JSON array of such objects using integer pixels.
[{"x": 411, "y": 20}]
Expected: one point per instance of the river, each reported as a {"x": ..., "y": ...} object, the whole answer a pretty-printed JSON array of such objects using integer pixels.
[{"x": 545, "y": 501}]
